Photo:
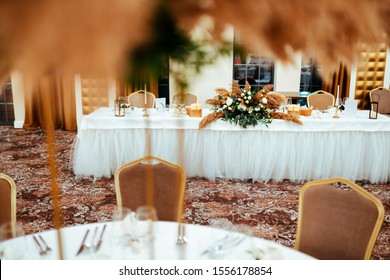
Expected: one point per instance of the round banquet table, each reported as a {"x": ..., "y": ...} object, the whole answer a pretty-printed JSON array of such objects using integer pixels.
[{"x": 163, "y": 247}]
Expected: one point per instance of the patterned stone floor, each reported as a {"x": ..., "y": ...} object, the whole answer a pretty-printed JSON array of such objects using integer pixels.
[{"x": 270, "y": 209}]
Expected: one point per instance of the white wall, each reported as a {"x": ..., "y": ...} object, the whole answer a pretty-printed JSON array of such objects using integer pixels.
[
  {"x": 217, "y": 75},
  {"x": 287, "y": 76},
  {"x": 18, "y": 98},
  {"x": 213, "y": 76}
]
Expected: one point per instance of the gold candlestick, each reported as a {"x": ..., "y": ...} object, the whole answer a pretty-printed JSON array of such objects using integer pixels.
[
  {"x": 145, "y": 111},
  {"x": 336, "y": 113}
]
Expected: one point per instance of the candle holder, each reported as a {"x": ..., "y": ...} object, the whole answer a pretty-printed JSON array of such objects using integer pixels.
[
  {"x": 119, "y": 108},
  {"x": 374, "y": 104},
  {"x": 145, "y": 111},
  {"x": 336, "y": 112}
]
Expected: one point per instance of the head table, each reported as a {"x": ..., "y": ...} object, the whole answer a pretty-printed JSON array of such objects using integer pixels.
[
  {"x": 355, "y": 148},
  {"x": 163, "y": 246}
]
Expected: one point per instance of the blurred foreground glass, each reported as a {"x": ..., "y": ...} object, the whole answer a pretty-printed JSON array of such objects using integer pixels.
[
  {"x": 145, "y": 227},
  {"x": 131, "y": 231},
  {"x": 12, "y": 241}
]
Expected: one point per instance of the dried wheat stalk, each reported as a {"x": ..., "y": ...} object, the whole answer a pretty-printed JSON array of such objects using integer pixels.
[
  {"x": 210, "y": 118},
  {"x": 236, "y": 89},
  {"x": 214, "y": 102},
  {"x": 274, "y": 100},
  {"x": 330, "y": 29},
  {"x": 260, "y": 94},
  {"x": 221, "y": 91},
  {"x": 286, "y": 117},
  {"x": 267, "y": 88}
]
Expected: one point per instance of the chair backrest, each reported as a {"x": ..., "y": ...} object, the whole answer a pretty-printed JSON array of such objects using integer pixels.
[
  {"x": 186, "y": 99},
  {"x": 7, "y": 200},
  {"x": 165, "y": 179},
  {"x": 137, "y": 99},
  {"x": 320, "y": 100},
  {"x": 384, "y": 99},
  {"x": 337, "y": 223}
]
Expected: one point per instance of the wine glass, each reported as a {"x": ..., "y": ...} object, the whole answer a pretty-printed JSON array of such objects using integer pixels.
[
  {"x": 143, "y": 232},
  {"x": 286, "y": 105},
  {"x": 122, "y": 222},
  {"x": 12, "y": 241},
  {"x": 340, "y": 104},
  {"x": 120, "y": 230}
]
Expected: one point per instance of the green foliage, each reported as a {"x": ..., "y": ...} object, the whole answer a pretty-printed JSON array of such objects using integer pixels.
[
  {"x": 243, "y": 110},
  {"x": 168, "y": 41}
]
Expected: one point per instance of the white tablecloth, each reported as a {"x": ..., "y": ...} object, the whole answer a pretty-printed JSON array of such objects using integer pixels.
[
  {"x": 355, "y": 148},
  {"x": 164, "y": 247}
]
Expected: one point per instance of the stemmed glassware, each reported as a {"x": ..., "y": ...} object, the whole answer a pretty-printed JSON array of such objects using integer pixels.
[
  {"x": 286, "y": 105},
  {"x": 133, "y": 230},
  {"x": 144, "y": 229}
]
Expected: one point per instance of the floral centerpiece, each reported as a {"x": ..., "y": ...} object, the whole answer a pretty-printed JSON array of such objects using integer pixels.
[{"x": 246, "y": 108}]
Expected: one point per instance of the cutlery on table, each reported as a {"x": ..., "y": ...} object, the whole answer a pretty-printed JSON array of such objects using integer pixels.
[
  {"x": 99, "y": 242},
  {"x": 224, "y": 245},
  {"x": 181, "y": 239},
  {"x": 42, "y": 251},
  {"x": 92, "y": 244},
  {"x": 83, "y": 243},
  {"x": 47, "y": 247}
]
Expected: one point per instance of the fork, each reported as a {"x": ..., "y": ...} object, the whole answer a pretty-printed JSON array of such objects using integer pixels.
[
  {"x": 47, "y": 247},
  {"x": 224, "y": 245},
  {"x": 42, "y": 251}
]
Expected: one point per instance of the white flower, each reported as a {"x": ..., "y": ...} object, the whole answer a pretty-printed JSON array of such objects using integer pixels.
[
  {"x": 224, "y": 106},
  {"x": 250, "y": 110},
  {"x": 229, "y": 108},
  {"x": 239, "y": 99},
  {"x": 257, "y": 109},
  {"x": 242, "y": 94},
  {"x": 264, "y": 100},
  {"x": 229, "y": 101},
  {"x": 249, "y": 97},
  {"x": 242, "y": 107},
  {"x": 247, "y": 102}
]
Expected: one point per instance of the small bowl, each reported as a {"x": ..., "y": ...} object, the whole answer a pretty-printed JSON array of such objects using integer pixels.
[{"x": 305, "y": 112}]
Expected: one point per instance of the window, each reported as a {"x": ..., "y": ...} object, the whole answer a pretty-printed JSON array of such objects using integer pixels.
[
  {"x": 256, "y": 68},
  {"x": 310, "y": 76},
  {"x": 7, "y": 115}
]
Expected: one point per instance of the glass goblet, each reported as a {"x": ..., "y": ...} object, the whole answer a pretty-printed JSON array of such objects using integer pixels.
[{"x": 144, "y": 230}]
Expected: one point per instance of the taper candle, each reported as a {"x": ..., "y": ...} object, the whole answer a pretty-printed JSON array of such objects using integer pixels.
[{"x": 145, "y": 96}]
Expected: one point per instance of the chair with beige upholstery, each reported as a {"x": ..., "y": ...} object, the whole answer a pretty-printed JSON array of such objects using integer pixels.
[
  {"x": 137, "y": 99},
  {"x": 320, "y": 100},
  {"x": 384, "y": 99},
  {"x": 186, "y": 99},
  {"x": 7, "y": 200},
  {"x": 151, "y": 177},
  {"x": 337, "y": 223}
]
